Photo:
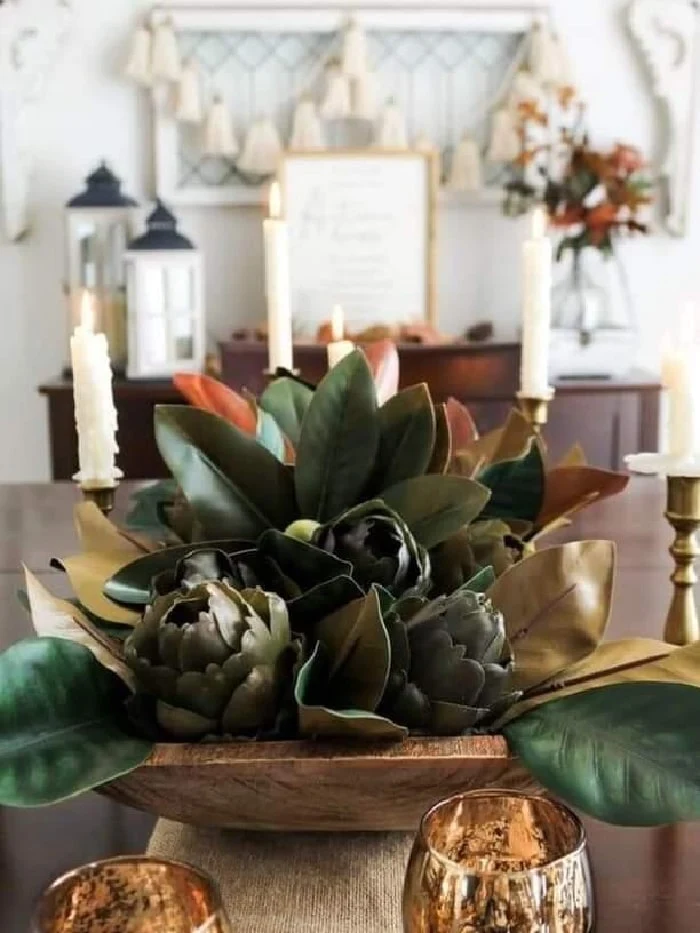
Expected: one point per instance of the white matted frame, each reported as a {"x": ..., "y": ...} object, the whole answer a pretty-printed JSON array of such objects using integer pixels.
[
  {"x": 362, "y": 234},
  {"x": 498, "y": 17}
]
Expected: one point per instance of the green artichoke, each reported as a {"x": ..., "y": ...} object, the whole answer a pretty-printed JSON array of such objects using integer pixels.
[
  {"x": 451, "y": 665},
  {"x": 489, "y": 543},
  {"x": 215, "y": 660},
  {"x": 379, "y": 546}
]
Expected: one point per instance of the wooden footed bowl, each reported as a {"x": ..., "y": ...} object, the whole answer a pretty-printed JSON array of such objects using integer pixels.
[{"x": 315, "y": 786}]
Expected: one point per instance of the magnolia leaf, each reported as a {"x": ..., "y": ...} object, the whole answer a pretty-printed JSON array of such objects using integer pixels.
[
  {"x": 436, "y": 507},
  {"x": 234, "y": 485},
  {"x": 570, "y": 488},
  {"x": 213, "y": 396},
  {"x": 461, "y": 425},
  {"x": 97, "y": 533},
  {"x": 442, "y": 451},
  {"x": 59, "y": 724},
  {"x": 52, "y": 617},
  {"x": 359, "y": 655},
  {"x": 131, "y": 583},
  {"x": 575, "y": 456},
  {"x": 146, "y": 515},
  {"x": 383, "y": 359},
  {"x": 320, "y": 601},
  {"x": 407, "y": 438},
  {"x": 306, "y": 564},
  {"x": 556, "y": 605},
  {"x": 270, "y": 436},
  {"x": 88, "y": 574},
  {"x": 515, "y": 438},
  {"x": 481, "y": 582},
  {"x": 316, "y": 719},
  {"x": 517, "y": 487},
  {"x": 625, "y": 754},
  {"x": 287, "y": 401},
  {"x": 339, "y": 441}
]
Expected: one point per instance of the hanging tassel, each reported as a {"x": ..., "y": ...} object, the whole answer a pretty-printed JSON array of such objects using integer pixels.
[
  {"x": 307, "y": 132},
  {"x": 466, "y": 171},
  {"x": 525, "y": 88},
  {"x": 219, "y": 138},
  {"x": 165, "y": 62},
  {"x": 189, "y": 95},
  {"x": 365, "y": 96},
  {"x": 262, "y": 149},
  {"x": 392, "y": 128},
  {"x": 138, "y": 66},
  {"x": 564, "y": 70},
  {"x": 505, "y": 142},
  {"x": 543, "y": 59},
  {"x": 354, "y": 60},
  {"x": 336, "y": 104}
]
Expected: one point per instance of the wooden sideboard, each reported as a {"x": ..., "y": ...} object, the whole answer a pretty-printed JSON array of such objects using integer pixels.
[{"x": 609, "y": 417}]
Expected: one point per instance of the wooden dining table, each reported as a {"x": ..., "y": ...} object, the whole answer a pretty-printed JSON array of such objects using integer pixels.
[{"x": 646, "y": 880}]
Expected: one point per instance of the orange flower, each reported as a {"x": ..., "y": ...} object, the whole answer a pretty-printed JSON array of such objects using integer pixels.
[
  {"x": 626, "y": 159},
  {"x": 604, "y": 215}
]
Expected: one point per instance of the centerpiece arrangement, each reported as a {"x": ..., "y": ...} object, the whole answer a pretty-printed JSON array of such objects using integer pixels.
[{"x": 345, "y": 601}]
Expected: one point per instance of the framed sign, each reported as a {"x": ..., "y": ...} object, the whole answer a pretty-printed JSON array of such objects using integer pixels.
[{"x": 362, "y": 235}]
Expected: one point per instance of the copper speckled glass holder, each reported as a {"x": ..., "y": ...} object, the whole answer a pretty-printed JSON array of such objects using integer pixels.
[
  {"x": 498, "y": 862},
  {"x": 132, "y": 895}
]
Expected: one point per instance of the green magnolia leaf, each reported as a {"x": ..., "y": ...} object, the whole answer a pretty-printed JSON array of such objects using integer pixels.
[
  {"x": 436, "y": 507},
  {"x": 131, "y": 585},
  {"x": 481, "y": 582},
  {"x": 339, "y": 441},
  {"x": 517, "y": 487},
  {"x": 625, "y": 754},
  {"x": 287, "y": 401},
  {"x": 306, "y": 564},
  {"x": 146, "y": 509},
  {"x": 308, "y": 609},
  {"x": 270, "y": 436},
  {"x": 59, "y": 724},
  {"x": 407, "y": 438},
  {"x": 442, "y": 450},
  {"x": 556, "y": 606},
  {"x": 359, "y": 651},
  {"x": 234, "y": 485},
  {"x": 317, "y": 720}
]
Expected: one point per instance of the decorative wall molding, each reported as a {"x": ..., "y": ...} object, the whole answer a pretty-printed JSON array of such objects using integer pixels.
[
  {"x": 668, "y": 35},
  {"x": 32, "y": 33}
]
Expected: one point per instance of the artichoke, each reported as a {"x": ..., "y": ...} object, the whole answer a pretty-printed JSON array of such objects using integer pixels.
[
  {"x": 489, "y": 543},
  {"x": 451, "y": 665},
  {"x": 379, "y": 546},
  {"x": 216, "y": 661}
]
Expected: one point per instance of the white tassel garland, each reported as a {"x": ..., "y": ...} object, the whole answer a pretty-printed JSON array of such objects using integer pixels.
[
  {"x": 525, "y": 88},
  {"x": 365, "y": 96},
  {"x": 391, "y": 133},
  {"x": 188, "y": 108},
  {"x": 307, "y": 132},
  {"x": 565, "y": 70},
  {"x": 262, "y": 149},
  {"x": 165, "y": 60},
  {"x": 466, "y": 171},
  {"x": 505, "y": 141},
  {"x": 336, "y": 104},
  {"x": 219, "y": 139},
  {"x": 138, "y": 66},
  {"x": 354, "y": 60},
  {"x": 543, "y": 60}
]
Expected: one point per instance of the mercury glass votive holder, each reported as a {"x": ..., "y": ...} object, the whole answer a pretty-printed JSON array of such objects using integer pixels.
[
  {"x": 498, "y": 862},
  {"x": 132, "y": 895}
]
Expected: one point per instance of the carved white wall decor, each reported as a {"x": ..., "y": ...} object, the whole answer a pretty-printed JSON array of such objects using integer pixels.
[
  {"x": 668, "y": 34},
  {"x": 32, "y": 33}
]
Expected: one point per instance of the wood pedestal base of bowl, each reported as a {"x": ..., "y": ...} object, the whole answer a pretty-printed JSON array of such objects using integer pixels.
[{"x": 315, "y": 786}]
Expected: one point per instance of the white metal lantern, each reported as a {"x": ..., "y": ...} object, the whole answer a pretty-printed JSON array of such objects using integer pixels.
[
  {"x": 99, "y": 224},
  {"x": 165, "y": 291}
]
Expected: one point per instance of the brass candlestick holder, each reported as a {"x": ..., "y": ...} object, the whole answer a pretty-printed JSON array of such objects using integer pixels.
[
  {"x": 535, "y": 409},
  {"x": 683, "y": 514},
  {"x": 102, "y": 496}
]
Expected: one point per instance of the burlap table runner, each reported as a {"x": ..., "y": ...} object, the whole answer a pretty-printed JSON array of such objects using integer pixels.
[{"x": 297, "y": 882}]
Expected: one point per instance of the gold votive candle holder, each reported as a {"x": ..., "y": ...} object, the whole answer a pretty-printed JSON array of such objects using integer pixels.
[
  {"x": 683, "y": 514},
  {"x": 535, "y": 409},
  {"x": 498, "y": 862},
  {"x": 132, "y": 895},
  {"x": 103, "y": 496}
]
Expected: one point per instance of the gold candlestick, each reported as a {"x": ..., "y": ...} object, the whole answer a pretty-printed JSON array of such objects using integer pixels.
[
  {"x": 535, "y": 409},
  {"x": 683, "y": 514},
  {"x": 102, "y": 496}
]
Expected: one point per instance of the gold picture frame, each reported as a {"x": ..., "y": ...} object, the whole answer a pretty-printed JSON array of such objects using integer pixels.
[{"x": 397, "y": 203}]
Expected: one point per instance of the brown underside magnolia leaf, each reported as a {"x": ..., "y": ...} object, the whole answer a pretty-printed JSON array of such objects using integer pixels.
[
  {"x": 442, "y": 451},
  {"x": 515, "y": 438},
  {"x": 556, "y": 605},
  {"x": 575, "y": 456},
  {"x": 461, "y": 423},
  {"x": 57, "y": 618},
  {"x": 88, "y": 574},
  {"x": 97, "y": 533},
  {"x": 571, "y": 488}
]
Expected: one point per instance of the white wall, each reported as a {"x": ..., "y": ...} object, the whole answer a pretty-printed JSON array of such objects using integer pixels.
[{"x": 90, "y": 113}]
